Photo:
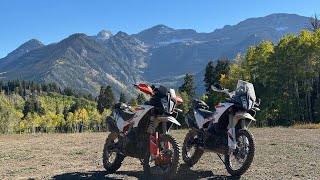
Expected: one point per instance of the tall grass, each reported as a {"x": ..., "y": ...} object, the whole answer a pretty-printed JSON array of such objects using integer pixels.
[{"x": 307, "y": 126}]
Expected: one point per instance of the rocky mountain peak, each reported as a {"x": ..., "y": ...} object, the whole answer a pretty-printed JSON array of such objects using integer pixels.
[
  {"x": 26, "y": 47},
  {"x": 75, "y": 38},
  {"x": 33, "y": 42},
  {"x": 121, "y": 34},
  {"x": 104, "y": 35},
  {"x": 162, "y": 29}
]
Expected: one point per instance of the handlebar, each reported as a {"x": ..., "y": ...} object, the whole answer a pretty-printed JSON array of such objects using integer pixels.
[{"x": 225, "y": 91}]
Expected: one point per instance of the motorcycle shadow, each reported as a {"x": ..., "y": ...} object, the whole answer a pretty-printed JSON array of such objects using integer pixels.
[{"x": 184, "y": 173}]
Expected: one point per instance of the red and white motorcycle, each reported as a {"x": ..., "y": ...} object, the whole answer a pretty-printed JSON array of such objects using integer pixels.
[
  {"x": 223, "y": 131},
  {"x": 143, "y": 134}
]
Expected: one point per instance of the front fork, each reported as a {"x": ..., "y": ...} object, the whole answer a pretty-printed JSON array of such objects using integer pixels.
[
  {"x": 232, "y": 136},
  {"x": 154, "y": 150},
  {"x": 232, "y": 139},
  {"x": 154, "y": 138}
]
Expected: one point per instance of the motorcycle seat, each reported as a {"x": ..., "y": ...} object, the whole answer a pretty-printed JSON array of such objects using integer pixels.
[
  {"x": 205, "y": 113},
  {"x": 127, "y": 115}
]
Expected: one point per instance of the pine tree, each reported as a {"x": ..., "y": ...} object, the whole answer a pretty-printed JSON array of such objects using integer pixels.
[
  {"x": 141, "y": 98},
  {"x": 209, "y": 74},
  {"x": 213, "y": 73},
  {"x": 100, "y": 105},
  {"x": 188, "y": 86},
  {"x": 123, "y": 98},
  {"x": 105, "y": 99}
]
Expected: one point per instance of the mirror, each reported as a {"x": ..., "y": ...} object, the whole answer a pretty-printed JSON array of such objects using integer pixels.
[{"x": 218, "y": 86}]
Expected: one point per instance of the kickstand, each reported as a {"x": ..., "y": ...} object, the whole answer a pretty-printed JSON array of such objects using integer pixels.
[
  {"x": 221, "y": 159},
  {"x": 141, "y": 160}
]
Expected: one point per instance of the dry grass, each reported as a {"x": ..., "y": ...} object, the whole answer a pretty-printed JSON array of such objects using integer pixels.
[
  {"x": 307, "y": 126},
  {"x": 281, "y": 153}
]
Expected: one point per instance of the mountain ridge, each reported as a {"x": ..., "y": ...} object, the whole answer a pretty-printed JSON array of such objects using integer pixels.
[{"x": 157, "y": 54}]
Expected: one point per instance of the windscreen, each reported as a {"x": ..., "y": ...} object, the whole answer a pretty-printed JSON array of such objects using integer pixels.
[
  {"x": 245, "y": 94},
  {"x": 246, "y": 87}
]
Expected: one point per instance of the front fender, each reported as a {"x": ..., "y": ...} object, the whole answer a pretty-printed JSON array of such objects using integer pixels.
[
  {"x": 160, "y": 119},
  {"x": 241, "y": 115},
  {"x": 163, "y": 119}
]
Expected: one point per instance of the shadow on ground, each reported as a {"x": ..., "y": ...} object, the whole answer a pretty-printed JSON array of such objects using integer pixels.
[{"x": 184, "y": 173}]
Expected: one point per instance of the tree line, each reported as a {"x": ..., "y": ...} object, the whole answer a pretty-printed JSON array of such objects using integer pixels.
[
  {"x": 29, "y": 107},
  {"x": 286, "y": 77},
  {"x": 26, "y": 88}
]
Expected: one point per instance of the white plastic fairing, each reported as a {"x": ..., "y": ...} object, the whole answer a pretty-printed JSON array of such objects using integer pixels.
[
  {"x": 220, "y": 109},
  {"x": 120, "y": 122},
  {"x": 140, "y": 112},
  {"x": 200, "y": 120}
]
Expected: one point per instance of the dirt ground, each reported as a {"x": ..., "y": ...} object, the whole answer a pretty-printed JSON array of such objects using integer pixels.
[{"x": 281, "y": 153}]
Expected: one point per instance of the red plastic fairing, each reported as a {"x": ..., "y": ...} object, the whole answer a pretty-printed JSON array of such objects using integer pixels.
[
  {"x": 145, "y": 88},
  {"x": 179, "y": 100}
]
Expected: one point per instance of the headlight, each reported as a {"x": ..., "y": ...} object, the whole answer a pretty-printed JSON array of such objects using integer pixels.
[{"x": 244, "y": 102}]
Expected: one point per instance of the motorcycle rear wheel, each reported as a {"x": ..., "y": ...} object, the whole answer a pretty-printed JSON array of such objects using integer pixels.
[
  {"x": 111, "y": 157},
  {"x": 243, "y": 154}
]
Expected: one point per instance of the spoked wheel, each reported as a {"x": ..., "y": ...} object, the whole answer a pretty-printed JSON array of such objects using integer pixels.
[
  {"x": 190, "y": 151},
  {"x": 166, "y": 164},
  {"x": 111, "y": 157},
  {"x": 239, "y": 161}
]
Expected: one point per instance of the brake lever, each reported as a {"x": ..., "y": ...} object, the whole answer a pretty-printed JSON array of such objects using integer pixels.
[
  {"x": 256, "y": 109},
  {"x": 258, "y": 103}
]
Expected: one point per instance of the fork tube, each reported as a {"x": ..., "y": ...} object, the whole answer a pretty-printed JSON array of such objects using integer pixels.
[
  {"x": 153, "y": 139},
  {"x": 231, "y": 133},
  {"x": 164, "y": 128}
]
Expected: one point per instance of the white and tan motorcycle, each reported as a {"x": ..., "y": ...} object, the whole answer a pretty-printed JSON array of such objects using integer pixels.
[
  {"x": 224, "y": 130},
  {"x": 143, "y": 134}
]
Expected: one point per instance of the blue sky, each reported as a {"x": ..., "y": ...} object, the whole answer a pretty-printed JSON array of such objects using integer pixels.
[{"x": 51, "y": 21}]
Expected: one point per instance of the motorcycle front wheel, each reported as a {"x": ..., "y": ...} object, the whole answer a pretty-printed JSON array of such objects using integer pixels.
[
  {"x": 190, "y": 151},
  {"x": 112, "y": 159},
  {"x": 167, "y": 162},
  {"x": 239, "y": 161}
]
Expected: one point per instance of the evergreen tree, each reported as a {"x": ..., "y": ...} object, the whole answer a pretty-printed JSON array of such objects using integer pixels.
[
  {"x": 101, "y": 99},
  {"x": 32, "y": 105},
  {"x": 213, "y": 73},
  {"x": 209, "y": 74},
  {"x": 105, "y": 99},
  {"x": 141, "y": 99},
  {"x": 123, "y": 98},
  {"x": 188, "y": 86}
]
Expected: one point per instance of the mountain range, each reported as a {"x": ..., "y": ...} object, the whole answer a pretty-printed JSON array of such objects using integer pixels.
[{"x": 156, "y": 55}]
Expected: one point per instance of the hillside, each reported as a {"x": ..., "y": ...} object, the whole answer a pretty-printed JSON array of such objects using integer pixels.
[
  {"x": 160, "y": 54},
  {"x": 77, "y": 61}
]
